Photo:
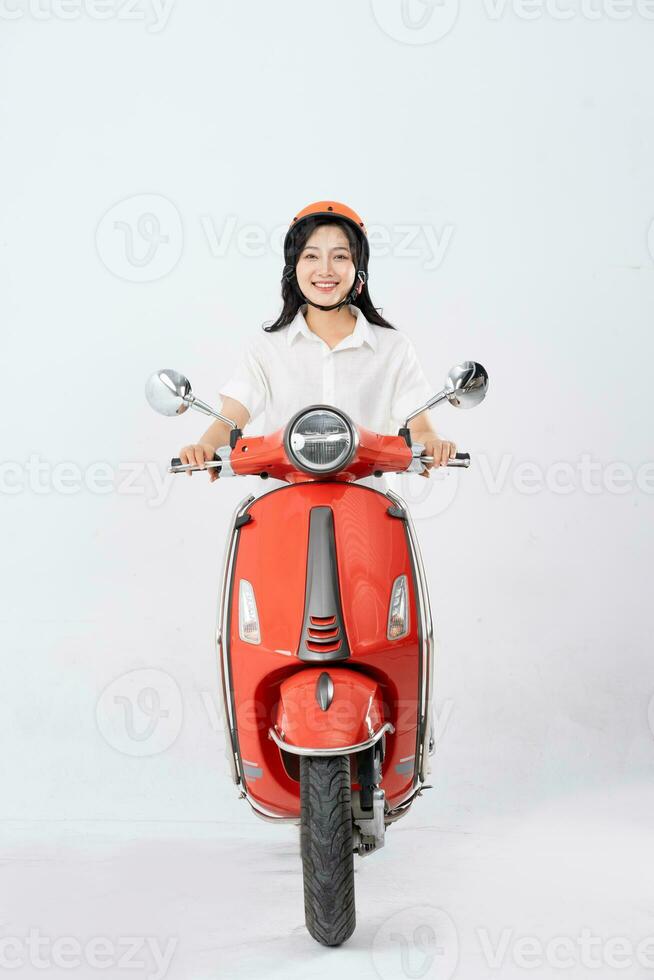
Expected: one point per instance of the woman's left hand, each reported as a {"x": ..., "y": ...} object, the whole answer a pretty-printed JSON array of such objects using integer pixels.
[{"x": 440, "y": 449}]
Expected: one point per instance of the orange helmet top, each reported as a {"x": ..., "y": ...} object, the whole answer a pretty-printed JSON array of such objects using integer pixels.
[{"x": 329, "y": 209}]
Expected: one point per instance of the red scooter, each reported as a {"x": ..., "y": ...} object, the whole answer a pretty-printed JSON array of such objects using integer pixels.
[{"x": 325, "y": 635}]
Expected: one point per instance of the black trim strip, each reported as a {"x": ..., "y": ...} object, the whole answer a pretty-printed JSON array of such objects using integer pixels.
[{"x": 322, "y": 599}]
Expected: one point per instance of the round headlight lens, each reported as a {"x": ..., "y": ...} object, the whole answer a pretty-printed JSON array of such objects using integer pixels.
[{"x": 320, "y": 440}]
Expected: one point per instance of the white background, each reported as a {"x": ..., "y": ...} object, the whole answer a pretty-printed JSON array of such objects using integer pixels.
[{"x": 522, "y": 144}]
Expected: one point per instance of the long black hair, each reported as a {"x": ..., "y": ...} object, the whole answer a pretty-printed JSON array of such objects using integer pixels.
[{"x": 291, "y": 297}]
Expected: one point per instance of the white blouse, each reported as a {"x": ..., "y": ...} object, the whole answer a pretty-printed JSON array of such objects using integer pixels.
[{"x": 373, "y": 375}]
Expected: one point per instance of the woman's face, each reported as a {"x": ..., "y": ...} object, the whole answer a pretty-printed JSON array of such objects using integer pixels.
[{"x": 325, "y": 269}]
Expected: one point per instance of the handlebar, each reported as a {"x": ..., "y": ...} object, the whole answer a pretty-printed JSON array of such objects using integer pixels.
[{"x": 176, "y": 465}]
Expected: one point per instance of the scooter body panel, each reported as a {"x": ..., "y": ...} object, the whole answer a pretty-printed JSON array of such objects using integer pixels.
[
  {"x": 345, "y": 712},
  {"x": 274, "y": 553}
]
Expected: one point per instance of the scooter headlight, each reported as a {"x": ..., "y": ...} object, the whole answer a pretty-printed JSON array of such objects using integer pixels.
[{"x": 320, "y": 439}]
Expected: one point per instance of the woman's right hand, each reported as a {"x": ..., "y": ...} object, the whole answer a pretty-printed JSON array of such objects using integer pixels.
[{"x": 198, "y": 454}]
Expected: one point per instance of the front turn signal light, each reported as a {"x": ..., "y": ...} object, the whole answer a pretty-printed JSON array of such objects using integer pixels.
[
  {"x": 248, "y": 617},
  {"x": 398, "y": 610}
]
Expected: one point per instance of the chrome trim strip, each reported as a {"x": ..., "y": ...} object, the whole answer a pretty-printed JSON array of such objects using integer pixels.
[
  {"x": 427, "y": 651},
  {"x": 270, "y": 817},
  {"x": 342, "y": 750},
  {"x": 225, "y": 679},
  {"x": 226, "y": 463},
  {"x": 399, "y": 811},
  {"x": 416, "y": 466}
]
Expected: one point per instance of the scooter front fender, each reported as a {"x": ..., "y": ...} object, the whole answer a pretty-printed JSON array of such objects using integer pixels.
[{"x": 331, "y": 711}]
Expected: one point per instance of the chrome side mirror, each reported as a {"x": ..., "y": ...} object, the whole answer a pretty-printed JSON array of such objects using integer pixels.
[
  {"x": 468, "y": 384},
  {"x": 169, "y": 393},
  {"x": 465, "y": 386}
]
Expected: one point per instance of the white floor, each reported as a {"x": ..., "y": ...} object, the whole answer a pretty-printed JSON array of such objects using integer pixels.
[{"x": 465, "y": 896}]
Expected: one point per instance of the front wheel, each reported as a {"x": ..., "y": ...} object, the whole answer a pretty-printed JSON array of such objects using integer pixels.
[{"x": 327, "y": 848}]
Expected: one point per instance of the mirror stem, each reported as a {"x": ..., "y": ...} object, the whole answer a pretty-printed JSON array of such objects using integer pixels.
[
  {"x": 201, "y": 406},
  {"x": 440, "y": 397}
]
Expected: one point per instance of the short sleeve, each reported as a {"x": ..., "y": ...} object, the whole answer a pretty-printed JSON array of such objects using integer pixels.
[
  {"x": 247, "y": 384},
  {"x": 412, "y": 389}
]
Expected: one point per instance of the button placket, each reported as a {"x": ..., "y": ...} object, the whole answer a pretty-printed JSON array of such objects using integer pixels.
[{"x": 328, "y": 379}]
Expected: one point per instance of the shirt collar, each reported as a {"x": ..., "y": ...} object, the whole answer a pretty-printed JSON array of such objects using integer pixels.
[{"x": 362, "y": 333}]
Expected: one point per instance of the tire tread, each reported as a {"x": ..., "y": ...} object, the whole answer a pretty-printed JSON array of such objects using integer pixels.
[{"x": 326, "y": 845}]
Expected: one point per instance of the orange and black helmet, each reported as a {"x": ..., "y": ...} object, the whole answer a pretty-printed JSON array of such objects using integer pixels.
[{"x": 316, "y": 213}]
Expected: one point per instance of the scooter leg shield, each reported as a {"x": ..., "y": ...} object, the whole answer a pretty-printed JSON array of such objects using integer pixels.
[{"x": 328, "y": 708}]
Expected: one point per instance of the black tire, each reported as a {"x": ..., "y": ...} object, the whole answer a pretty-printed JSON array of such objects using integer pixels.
[{"x": 326, "y": 845}]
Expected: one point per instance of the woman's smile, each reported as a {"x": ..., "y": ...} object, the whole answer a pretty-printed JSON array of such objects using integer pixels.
[{"x": 325, "y": 285}]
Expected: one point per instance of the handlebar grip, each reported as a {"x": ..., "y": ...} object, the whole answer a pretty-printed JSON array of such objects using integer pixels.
[
  {"x": 460, "y": 459},
  {"x": 176, "y": 465}
]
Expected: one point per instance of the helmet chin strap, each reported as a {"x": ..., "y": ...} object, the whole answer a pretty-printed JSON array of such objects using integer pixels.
[{"x": 359, "y": 282}]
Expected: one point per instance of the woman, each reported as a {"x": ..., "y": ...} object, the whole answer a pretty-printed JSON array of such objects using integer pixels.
[{"x": 329, "y": 345}]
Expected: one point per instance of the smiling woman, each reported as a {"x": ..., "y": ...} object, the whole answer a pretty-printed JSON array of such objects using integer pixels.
[{"x": 328, "y": 344}]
